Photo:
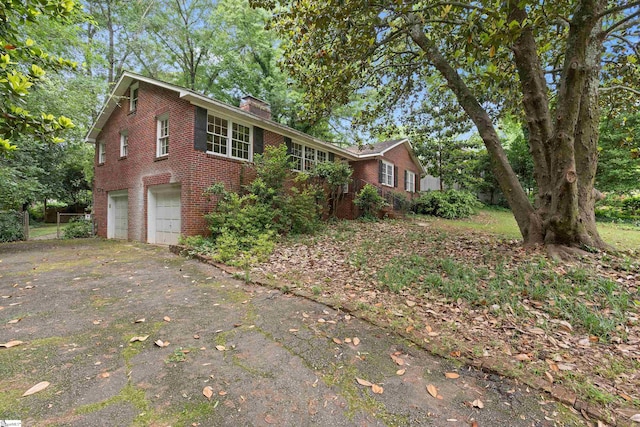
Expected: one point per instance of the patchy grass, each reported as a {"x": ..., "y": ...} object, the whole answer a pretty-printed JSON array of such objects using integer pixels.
[
  {"x": 502, "y": 223},
  {"x": 468, "y": 289},
  {"x": 40, "y": 230}
]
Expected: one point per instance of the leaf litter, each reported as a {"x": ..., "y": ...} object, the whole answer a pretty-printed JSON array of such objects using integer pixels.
[{"x": 534, "y": 332}]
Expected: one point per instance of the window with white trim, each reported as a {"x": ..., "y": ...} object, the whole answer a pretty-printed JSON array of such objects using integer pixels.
[
  {"x": 102, "y": 152},
  {"x": 321, "y": 156},
  {"x": 297, "y": 151},
  {"x": 228, "y": 139},
  {"x": 133, "y": 97},
  {"x": 162, "y": 143},
  {"x": 309, "y": 158},
  {"x": 410, "y": 181},
  {"x": 305, "y": 158},
  {"x": 124, "y": 144},
  {"x": 240, "y": 141},
  {"x": 387, "y": 174},
  {"x": 217, "y": 135}
]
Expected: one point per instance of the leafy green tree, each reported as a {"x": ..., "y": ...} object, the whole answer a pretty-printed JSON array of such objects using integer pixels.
[
  {"x": 340, "y": 47},
  {"x": 23, "y": 66},
  {"x": 619, "y": 147},
  {"x": 334, "y": 175}
]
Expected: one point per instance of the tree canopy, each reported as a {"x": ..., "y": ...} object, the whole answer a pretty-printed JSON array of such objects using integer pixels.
[{"x": 544, "y": 62}]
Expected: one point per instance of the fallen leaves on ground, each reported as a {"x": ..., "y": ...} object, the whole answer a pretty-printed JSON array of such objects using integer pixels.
[
  {"x": 161, "y": 343},
  {"x": 433, "y": 391},
  {"x": 477, "y": 404},
  {"x": 221, "y": 348},
  {"x": 140, "y": 338},
  {"x": 207, "y": 392},
  {"x": 451, "y": 375},
  {"x": 527, "y": 333},
  {"x": 36, "y": 388},
  {"x": 11, "y": 344}
]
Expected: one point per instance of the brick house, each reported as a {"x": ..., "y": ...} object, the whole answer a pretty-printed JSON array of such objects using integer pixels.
[{"x": 159, "y": 146}]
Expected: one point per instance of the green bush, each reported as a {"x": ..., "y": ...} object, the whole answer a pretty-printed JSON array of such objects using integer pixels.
[
  {"x": 78, "y": 228},
  {"x": 450, "y": 204},
  {"x": 244, "y": 227},
  {"x": 619, "y": 208},
  {"x": 369, "y": 201},
  {"x": 11, "y": 226}
]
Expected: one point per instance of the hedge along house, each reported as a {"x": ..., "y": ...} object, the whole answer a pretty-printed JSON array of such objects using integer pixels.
[{"x": 160, "y": 146}]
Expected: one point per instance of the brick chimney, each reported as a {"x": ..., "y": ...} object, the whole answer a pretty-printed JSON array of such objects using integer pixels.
[{"x": 256, "y": 106}]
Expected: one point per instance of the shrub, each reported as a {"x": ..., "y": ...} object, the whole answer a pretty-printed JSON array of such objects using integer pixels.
[
  {"x": 244, "y": 227},
  {"x": 450, "y": 204},
  {"x": 78, "y": 228},
  {"x": 11, "y": 226},
  {"x": 369, "y": 201}
]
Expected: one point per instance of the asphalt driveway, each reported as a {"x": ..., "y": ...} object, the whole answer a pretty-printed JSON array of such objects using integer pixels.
[{"x": 261, "y": 357}]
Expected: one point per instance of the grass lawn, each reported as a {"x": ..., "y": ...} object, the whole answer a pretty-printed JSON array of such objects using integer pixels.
[
  {"x": 621, "y": 236},
  {"x": 42, "y": 230}
]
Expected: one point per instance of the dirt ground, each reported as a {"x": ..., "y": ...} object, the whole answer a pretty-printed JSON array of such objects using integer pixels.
[{"x": 262, "y": 357}]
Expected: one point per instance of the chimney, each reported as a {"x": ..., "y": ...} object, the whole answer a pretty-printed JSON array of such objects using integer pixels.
[{"x": 256, "y": 106}]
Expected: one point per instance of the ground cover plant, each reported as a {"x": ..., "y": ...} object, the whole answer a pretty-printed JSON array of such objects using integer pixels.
[{"x": 472, "y": 294}]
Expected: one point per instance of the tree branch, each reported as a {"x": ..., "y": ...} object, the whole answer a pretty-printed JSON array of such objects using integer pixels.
[
  {"x": 620, "y": 87},
  {"x": 619, "y": 8},
  {"x": 628, "y": 19}
]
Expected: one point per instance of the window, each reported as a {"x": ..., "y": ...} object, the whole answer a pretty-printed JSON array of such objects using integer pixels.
[
  {"x": 133, "y": 98},
  {"x": 102, "y": 152},
  {"x": 321, "y": 156},
  {"x": 345, "y": 188},
  {"x": 124, "y": 144},
  {"x": 162, "y": 144},
  {"x": 386, "y": 176},
  {"x": 310, "y": 156},
  {"x": 227, "y": 138},
  {"x": 217, "y": 132},
  {"x": 240, "y": 141},
  {"x": 296, "y": 155},
  {"x": 410, "y": 181}
]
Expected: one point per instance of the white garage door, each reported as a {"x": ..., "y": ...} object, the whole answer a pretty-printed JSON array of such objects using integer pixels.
[
  {"x": 118, "y": 215},
  {"x": 164, "y": 215}
]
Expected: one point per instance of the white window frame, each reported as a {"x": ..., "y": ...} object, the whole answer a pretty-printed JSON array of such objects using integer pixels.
[
  {"x": 124, "y": 143},
  {"x": 410, "y": 182},
  {"x": 300, "y": 155},
  {"x": 162, "y": 136},
  {"x": 102, "y": 152},
  {"x": 387, "y": 174},
  {"x": 133, "y": 97},
  {"x": 230, "y": 138}
]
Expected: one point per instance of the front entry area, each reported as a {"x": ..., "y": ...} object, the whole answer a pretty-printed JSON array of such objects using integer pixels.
[
  {"x": 163, "y": 214},
  {"x": 118, "y": 215}
]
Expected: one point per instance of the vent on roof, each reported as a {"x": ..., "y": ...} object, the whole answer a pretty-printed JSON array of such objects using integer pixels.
[{"x": 256, "y": 106}]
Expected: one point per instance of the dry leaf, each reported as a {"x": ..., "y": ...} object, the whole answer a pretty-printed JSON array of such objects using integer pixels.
[
  {"x": 36, "y": 388},
  {"x": 11, "y": 322},
  {"x": 410, "y": 303},
  {"x": 474, "y": 423},
  {"x": 166, "y": 319},
  {"x": 625, "y": 396},
  {"x": 401, "y": 371},
  {"x": 220, "y": 348},
  {"x": 451, "y": 375},
  {"x": 222, "y": 393},
  {"x": 455, "y": 353},
  {"x": 143, "y": 338},
  {"x": 11, "y": 344},
  {"x": 293, "y": 330},
  {"x": 337, "y": 340},
  {"x": 377, "y": 389},
  {"x": 537, "y": 331},
  {"x": 321, "y": 320},
  {"x": 356, "y": 341},
  {"x": 347, "y": 340},
  {"x": 522, "y": 357},
  {"x": 207, "y": 392},
  {"x": 97, "y": 322},
  {"x": 142, "y": 320},
  {"x": 477, "y": 404},
  {"x": 363, "y": 382},
  {"x": 196, "y": 337},
  {"x": 161, "y": 343},
  {"x": 635, "y": 418},
  {"x": 104, "y": 375},
  {"x": 399, "y": 361},
  {"x": 433, "y": 391},
  {"x": 269, "y": 419},
  {"x": 305, "y": 315},
  {"x": 549, "y": 376}
]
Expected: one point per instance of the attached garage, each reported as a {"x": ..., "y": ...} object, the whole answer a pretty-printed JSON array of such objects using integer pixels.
[
  {"x": 163, "y": 214},
  {"x": 118, "y": 215}
]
